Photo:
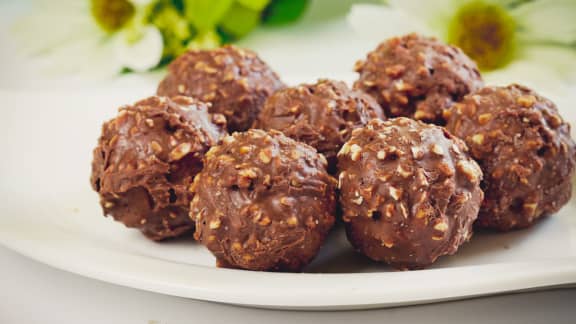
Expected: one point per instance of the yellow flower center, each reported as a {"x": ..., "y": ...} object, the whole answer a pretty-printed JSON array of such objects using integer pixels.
[
  {"x": 111, "y": 15},
  {"x": 486, "y": 32}
]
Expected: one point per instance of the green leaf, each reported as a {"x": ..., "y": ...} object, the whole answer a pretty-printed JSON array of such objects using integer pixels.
[
  {"x": 239, "y": 21},
  {"x": 174, "y": 28},
  {"x": 205, "y": 14},
  {"x": 207, "y": 39},
  {"x": 177, "y": 4},
  {"x": 224, "y": 36},
  {"x": 281, "y": 12},
  {"x": 256, "y": 5}
]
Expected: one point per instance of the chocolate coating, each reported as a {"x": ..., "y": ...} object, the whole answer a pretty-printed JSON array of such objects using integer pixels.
[
  {"x": 235, "y": 81},
  {"x": 525, "y": 150},
  {"x": 409, "y": 192},
  {"x": 417, "y": 77},
  {"x": 263, "y": 202},
  {"x": 321, "y": 115},
  {"x": 147, "y": 157}
]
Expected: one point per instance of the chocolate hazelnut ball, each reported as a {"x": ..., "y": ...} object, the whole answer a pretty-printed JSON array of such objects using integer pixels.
[
  {"x": 263, "y": 202},
  {"x": 235, "y": 81},
  {"x": 525, "y": 150},
  {"x": 417, "y": 77},
  {"x": 146, "y": 159},
  {"x": 409, "y": 192},
  {"x": 321, "y": 115}
]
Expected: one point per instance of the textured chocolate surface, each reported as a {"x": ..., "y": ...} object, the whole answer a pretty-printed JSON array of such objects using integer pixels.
[
  {"x": 235, "y": 81},
  {"x": 417, "y": 77},
  {"x": 321, "y": 115},
  {"x": 525, "y": 150},
  {"x": 146, "y": 159},
  {"x": 263, "y": 202},
  {"x": 409, "y": 192}
]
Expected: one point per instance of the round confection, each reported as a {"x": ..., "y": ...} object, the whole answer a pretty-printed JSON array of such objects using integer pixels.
[
  {"x": 263, "y": 202},
  {"x": 417, "y": 77},
  {"x": 321, "y": 115},
  {"x": 409, "y": 192},
  {"x": 146, "y": 159},
  {"x": 525, "y": 150},
  {"x": 235, "y": 81}
]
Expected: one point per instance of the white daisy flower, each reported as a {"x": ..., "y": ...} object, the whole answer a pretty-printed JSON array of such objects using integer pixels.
[
  {"x": 97, "y": 37},
  {"x": 525, "y": 41}
]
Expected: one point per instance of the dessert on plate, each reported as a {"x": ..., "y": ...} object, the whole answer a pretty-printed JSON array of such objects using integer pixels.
[
  {"x": 146, "y": 158},
  {"x": 321, "y": 115},
  {"x": 263, "y": 202},
  {"x": 409, "y": 192},
  {"x": 524, "y": 148},
  {"x": 417, "y": 77},
  {"x": 234, "y": 81}
]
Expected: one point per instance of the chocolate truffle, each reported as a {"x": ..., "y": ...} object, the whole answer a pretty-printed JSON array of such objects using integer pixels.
[
  {"x": 525, "y": 150},
  {"x": 417, "y": 77},
  {"x": 146, "y": 159},
  {"x": 321, "y": 115},
  {"x": 409, "y": 192},
  {"x": 263, "y": 202},
  {"x": 235, "y": 81}
]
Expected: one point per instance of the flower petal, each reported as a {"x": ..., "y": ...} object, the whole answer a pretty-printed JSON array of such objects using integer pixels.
[
  {"x": 90, "y": 57},
  {"x": 547, "y": 20},
  {"x": 48, "y": 27},
  {"x": 104, "y": 64},
  {"x": 142, "y": 55},
  {"x": 558, "y": 59},
  {"x": 533, "y": 71},
  {"x": 434, "y": 13},
  {"x": 64, "y": 6},
  {"x": 524, "y": 72},
  {"x": 142, "y": 3},
  {"x": 378, "y": 23}
]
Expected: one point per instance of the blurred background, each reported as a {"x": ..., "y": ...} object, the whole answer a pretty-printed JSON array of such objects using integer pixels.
[
  {"x": 58, "y": 44},
  {"x": 126, "y": 44},
  {"x": 111, "y": 52}
]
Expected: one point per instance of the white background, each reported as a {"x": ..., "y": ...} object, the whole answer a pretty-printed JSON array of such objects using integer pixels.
[{"x": 34, "y": 293}]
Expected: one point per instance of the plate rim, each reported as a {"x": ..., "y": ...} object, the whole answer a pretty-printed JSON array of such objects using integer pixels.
[{"x": 297, "y": 291}]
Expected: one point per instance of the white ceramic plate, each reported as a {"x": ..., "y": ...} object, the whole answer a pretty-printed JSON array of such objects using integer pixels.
[{"x": 49, "y": 213}]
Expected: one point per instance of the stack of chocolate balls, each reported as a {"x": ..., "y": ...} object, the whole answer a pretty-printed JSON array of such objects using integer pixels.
[{"x": 412, "y": 158}]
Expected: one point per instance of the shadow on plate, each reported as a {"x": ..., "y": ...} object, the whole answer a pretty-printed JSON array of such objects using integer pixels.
[{"x": 338, "y": 256}]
